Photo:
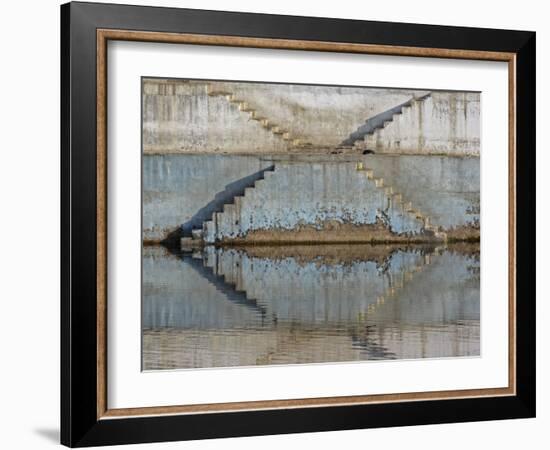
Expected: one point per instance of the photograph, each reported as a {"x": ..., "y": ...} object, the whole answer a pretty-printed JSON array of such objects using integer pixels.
[
  {"x": 301, "y": 223},
  {"x": 279, "y": 223}
]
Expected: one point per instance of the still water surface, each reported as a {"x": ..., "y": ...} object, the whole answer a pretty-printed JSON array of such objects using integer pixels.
[{"x": 308, "y": 304}]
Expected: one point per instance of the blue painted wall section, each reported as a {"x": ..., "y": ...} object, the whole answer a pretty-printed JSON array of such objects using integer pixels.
[{"x": 229, "y": 196}]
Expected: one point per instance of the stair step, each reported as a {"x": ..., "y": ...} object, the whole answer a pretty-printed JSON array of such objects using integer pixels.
[
  {"x": 238, "y": 202},
  {"x": 208, "y": 228},
  {"x": 379, "y": 182},
  {"x": 228, "y": 208},
  {"x": 254, "y": 116},
  {"x": 197, "y": 234},
  {"x": 245, "y": 107},
  {"x": 218, "y": 93},
  {"x": 248, "y": 191},
  {"x": 212, "y": 91}
]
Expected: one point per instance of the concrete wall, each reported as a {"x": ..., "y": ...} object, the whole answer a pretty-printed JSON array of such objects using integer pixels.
[
  {"x": 442, "y": 123},
  {"x": 324, "y": 116},
  {"x": 446, "y": 189},
  {"x": 185, "y": 190},
  {"x": 180, "y": 117},
  {"x": 320, "y": 195},
  {"x": 188, "y": 189}
]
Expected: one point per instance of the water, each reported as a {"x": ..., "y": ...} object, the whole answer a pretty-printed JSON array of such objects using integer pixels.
[{"x": 308, "y": 304}]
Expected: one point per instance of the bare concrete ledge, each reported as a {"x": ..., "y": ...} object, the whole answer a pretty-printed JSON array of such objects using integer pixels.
[
  {"x": 329, "y": 152},
  {"x": 342, "y": 234}
]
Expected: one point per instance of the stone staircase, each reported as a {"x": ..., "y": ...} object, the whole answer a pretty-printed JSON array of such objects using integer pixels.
[
  {"x": 365, "y": 137},
  {"x": 397, "y": 204},
  {"x": 229, "y": 216},
  {"x": 198, "y": 235},
  {"x": 392, "y": 210},
  {"x": 292, "y": 142}
]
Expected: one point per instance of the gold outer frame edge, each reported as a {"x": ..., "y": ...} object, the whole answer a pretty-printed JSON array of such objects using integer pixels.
[{"x": 103, "y": 36}]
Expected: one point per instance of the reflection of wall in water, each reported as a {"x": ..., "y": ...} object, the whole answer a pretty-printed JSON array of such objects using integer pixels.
[
  {"x": 188, "y": 348},
  {"x": 187, "y": 295},
  {"x": 325, "y": 311},
  {"x": 175, "y": 295}
]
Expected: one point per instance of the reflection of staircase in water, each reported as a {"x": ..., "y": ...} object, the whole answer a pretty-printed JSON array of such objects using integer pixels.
[
  {"x": 228, "y": 289},
  {"x": 397, "y": 284},
  {"x": 232, "y": 272},
  {"x": 234, "y": 285}
]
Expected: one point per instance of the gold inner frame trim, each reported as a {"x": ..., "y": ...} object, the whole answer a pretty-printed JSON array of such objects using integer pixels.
[{"x": 104, "y": 35}]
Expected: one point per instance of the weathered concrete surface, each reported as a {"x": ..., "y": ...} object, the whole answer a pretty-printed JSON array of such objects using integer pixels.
[
  {"x": 443, "y": 188},
  {"x": 322, "y": 116},
  {"x": 323, "y": 192},
  {"x": 310, "y": 201},
  {"x": 441, "y": 123},
  {"x": 180, "y": 192},
  {"x": 379, "y": 121},
  {"x": 184, "y": 293},
  {"x": 179, "y": 116},
  {"x": 233, "y": 307},
  {"x": 336, "y": 202}
]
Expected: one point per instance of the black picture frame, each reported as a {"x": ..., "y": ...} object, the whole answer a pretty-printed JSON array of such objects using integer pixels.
[{"x": 80, "y": 425}]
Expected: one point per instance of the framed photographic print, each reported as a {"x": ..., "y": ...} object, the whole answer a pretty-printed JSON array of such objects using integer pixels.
[{"x": 276, "y": 224}]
